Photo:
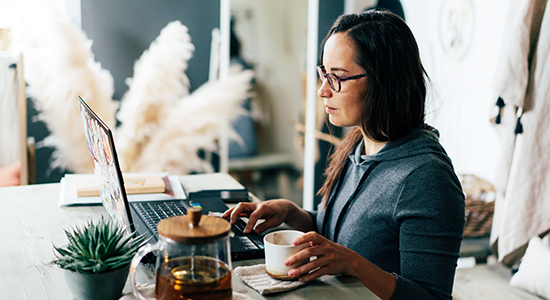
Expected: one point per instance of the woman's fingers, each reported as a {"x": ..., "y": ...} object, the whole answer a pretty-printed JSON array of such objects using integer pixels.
[
  {"x": 312, "y": 237},
  {"x": 331, "y": 258},
  {"x": 269, "y": 223},
  {"x": 227, "y": 213},
  {"x": 241, "y": 210},
  {"x": 315, "y": 242},
  {"x": 274, "y": 212},
  {"x": 258, "y": 213},
  {"x": 306, "y": 253},
  {"x": 320, "y": 262}
]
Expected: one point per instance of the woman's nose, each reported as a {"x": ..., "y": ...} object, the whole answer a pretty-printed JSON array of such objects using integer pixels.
[{"x": 324, "y": 91}]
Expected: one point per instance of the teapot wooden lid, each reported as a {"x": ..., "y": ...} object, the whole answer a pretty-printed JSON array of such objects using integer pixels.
[{"x": 194, "y": 228}]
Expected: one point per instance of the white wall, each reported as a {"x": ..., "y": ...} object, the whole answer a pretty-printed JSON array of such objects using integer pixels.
[{"x": 464, "y": 100}]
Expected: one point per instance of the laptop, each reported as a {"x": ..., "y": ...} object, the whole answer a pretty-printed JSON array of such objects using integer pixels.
[{"x": 143, "y": 216}]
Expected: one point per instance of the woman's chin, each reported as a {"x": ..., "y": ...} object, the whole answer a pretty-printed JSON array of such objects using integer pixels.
[{"x": 337, "y": 122}]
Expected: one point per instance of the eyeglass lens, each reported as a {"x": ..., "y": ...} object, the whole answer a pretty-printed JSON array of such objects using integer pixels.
[{"x": 333, "y": 81}]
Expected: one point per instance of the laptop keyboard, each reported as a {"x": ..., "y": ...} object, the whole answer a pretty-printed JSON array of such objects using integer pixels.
[
  {"x": 241, "y": 236},
  {"x": 153, "y": 212}
]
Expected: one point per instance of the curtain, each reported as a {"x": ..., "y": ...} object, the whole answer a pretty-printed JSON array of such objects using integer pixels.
[{"x": 522, "y": 84}]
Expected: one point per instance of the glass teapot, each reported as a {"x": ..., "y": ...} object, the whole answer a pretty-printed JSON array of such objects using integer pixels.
[{"x": 193, "y": 258}]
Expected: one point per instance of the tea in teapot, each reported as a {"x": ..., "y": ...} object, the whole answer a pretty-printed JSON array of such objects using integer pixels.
[
  {"x": 197, "y": 277},
  {"x": 193, "y": 258}
]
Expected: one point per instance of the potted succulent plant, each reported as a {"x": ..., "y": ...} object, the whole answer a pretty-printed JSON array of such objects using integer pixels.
[{"x": 97, "y": 259}]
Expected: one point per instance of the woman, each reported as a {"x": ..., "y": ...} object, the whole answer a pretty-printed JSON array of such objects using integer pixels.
[{"x": 392, "y": 213}]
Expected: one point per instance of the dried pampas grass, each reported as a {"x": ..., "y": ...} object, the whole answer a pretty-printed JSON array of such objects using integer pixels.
[
  {"x": 195, "y": 123},
  {"x": 159, "y": 82},
  {"x": 162, "y": 126},
  {"x": 55, "y": 78}
]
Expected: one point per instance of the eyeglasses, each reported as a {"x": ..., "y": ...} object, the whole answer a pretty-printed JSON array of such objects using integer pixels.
[{"x": 334, "y": 81}]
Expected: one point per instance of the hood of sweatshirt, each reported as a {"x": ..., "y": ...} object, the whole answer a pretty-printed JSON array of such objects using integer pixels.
[{"x": 416, "y": 142}]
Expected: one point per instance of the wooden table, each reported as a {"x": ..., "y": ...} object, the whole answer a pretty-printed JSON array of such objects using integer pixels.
[{"x": 32, "y": 222}]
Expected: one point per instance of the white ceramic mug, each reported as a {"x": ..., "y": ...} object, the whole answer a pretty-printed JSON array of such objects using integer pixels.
[{"x": 278, "y": 247}]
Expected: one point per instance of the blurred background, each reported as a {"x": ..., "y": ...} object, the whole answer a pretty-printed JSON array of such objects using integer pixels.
[{"x": 459, "y": 43}]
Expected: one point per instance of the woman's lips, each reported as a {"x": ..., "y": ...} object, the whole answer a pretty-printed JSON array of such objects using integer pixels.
[{"x": 329, "y": 109}]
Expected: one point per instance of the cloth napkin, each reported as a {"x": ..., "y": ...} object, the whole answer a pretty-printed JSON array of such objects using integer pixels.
[{"x": 257, "y": 278}]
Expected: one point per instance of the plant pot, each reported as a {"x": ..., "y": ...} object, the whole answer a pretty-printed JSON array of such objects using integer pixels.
[{"x": 99, "y": 286}]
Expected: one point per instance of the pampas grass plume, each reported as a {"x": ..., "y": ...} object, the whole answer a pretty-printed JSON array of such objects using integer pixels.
[
  {"x": 196, "y": 122},
  {"x": 158, "y": 83},
  {"x": 68, "y": 69},
  {"x": 163, "y": 127}
]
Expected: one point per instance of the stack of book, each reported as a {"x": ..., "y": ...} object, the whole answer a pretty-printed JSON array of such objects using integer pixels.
[{"x": 82, "y": 189}]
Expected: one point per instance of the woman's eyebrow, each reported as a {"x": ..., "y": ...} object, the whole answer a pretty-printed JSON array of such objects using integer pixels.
[{"x": 333, "y": 69}]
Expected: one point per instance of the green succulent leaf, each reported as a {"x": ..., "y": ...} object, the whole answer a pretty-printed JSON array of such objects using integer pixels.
[{"x": 98, "y": 247}]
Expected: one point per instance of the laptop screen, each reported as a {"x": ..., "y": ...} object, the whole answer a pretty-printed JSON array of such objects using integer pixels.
[{"x": 106, "y": 167}]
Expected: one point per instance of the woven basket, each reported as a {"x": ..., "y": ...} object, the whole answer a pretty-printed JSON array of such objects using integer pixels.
[{"x": 480, "y": 205}]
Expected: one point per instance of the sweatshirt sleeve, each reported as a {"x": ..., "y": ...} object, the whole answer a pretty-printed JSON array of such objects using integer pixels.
[
  {"x": 430, "y": 214},
  {"x": 313, "y": 215}
]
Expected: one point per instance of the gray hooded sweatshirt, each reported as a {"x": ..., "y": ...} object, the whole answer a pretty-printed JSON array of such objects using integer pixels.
[{"x": 407, "y": 217}]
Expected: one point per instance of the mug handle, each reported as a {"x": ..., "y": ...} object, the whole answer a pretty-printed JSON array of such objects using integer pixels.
[{"x": 144, "y": 250}]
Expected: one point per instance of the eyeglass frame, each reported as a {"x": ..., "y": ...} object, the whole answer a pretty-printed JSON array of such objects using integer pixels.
[{"x": 322, "y": 73}]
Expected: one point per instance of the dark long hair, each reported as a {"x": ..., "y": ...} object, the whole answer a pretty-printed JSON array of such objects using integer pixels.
[{"x": 394, "y": 105}]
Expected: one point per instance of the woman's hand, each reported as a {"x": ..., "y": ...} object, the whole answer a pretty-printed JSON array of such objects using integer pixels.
[
  {"x": 332, "y": 258},
  {"x": 274, "y": 212}
]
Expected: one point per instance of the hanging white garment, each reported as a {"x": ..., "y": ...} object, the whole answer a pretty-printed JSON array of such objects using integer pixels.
[
  {"x": 9, "y": 118},
  {"x": 523, "y": 174}
]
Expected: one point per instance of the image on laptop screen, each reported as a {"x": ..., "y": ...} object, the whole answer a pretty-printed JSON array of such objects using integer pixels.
[{"x": 101, "y": 146}]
